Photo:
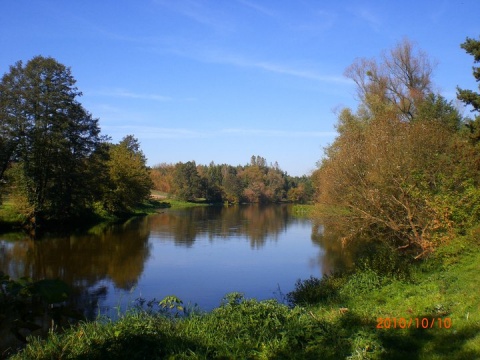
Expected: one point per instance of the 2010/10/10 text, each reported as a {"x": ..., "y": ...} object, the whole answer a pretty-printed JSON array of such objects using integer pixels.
[{"x": 418, "y": 323}]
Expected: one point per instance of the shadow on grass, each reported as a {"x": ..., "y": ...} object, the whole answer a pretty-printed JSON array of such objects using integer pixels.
[{"x": 438, "y": 343}]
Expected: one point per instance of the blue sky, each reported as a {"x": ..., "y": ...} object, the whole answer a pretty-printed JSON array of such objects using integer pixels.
[{"x": 222, "y": 80}]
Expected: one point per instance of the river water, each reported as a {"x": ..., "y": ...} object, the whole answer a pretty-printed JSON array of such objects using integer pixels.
[{"x": 198, "y": 254}]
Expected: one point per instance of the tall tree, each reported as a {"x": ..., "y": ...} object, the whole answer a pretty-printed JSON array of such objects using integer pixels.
[
  {"x": 129, "y": 178},
  {"x": 50, "y": 134},
  {"x": 186, "y": 181},
  {"x": 401, "y": 78},
  {"x": 386, "y": 173},
  {"x": 470, "y": 97}
]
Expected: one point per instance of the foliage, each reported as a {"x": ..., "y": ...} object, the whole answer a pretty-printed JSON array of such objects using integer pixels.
[
  {"x": 55, "y": 167},
  {"x": 128, "y": 180},
  {"x": 50, "y": 135},
  {"x": 469, "y": 97},
  {"x": 186, "y": 181},
  {"x": 317, "y": 291},
  {"x": 401, "y": 79},
  {"x": 255, "y": 182},
  {"x": 387, "y": 172}
]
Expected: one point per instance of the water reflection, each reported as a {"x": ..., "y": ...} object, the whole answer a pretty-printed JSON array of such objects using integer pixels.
[
  {"x": 257, "y": 223},
  {"x": 117, "y": 253},
  {"x": 176, "y": 252}
]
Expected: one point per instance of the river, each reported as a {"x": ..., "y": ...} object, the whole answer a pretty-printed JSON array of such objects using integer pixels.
[{"x": 197, "y": 254}]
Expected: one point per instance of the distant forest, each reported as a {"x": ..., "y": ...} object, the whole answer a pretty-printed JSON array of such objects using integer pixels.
[{"x": 256, "y": 182}]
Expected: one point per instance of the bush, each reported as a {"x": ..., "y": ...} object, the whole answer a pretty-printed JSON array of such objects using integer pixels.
[{"x": 314, "y": 290}]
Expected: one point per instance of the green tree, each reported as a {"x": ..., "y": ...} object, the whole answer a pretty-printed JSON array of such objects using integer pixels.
[
  {"x": 186, "y": 181},
  {"x": 129, "y": 181},
  {"x": 50, "y": 135},
  {"x": 232, "y": 184},
  {"x": 470, "y": 97}
]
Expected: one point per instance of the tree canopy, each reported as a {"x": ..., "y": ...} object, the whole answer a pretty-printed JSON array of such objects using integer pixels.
[
  {"x": 52, "y": 155},
  {"x": 48, "y": 134},
  {"x": 256, "y": 182},
  {"x": 399, "y": 168}
]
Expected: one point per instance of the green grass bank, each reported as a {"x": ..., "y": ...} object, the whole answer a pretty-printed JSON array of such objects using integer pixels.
[
  {"x": 11, "y": 219},
  {"x": 431, "y": 311}
]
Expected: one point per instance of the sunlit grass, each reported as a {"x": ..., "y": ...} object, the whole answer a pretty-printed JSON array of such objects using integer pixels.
[
  {"x": 9, "y": 216},
  {"x": 336, "y": 317},
  {"x": 302, "y": 210}
]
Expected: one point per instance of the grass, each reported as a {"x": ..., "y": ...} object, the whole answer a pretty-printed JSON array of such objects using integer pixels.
[
  {"x": 176, "y": 204},
  {"x": 335, "y": 317},
  {"x": 9, "y": 217},
  {"x": 302, "y": 210}
]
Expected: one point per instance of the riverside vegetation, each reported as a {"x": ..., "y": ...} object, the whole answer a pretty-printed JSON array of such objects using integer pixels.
[{"x": 398, "y": 192}]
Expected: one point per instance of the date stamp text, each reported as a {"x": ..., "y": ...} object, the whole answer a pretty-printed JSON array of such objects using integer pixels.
[{"x": 414, "y": 323}]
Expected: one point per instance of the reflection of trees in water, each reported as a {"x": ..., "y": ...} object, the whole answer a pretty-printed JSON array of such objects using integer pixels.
[
  {"x": 339, "y": 255},
  {"x": 258, "y": 223},
  {"x": 116, "y": 253},
  {"x": 335, "y": 255}
]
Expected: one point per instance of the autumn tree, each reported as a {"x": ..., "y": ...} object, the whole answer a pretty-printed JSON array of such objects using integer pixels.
[
  {"x": 401, "y": 77},
  {"x": 383, "y": 175},
  {"x": 162, "y": 177},
  {"x": 49, "y": 135},
  {"x": 256, "y": 182},
  {"x": 129, "y": 181}
]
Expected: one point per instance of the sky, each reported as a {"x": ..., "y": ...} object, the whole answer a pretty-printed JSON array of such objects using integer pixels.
[{"x": 222, "y": 80}]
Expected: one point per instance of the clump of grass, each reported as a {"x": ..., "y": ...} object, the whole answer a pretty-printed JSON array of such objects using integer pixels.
[
  {"x": 317, "y": 291},
  {"x": 10, "y": 217},
  {"x": 303, "y": 210}
]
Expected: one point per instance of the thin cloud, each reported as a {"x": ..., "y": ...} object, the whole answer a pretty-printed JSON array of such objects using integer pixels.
[
  {"x": 273, "y": 67},
  {"x": 196, "y": 11},
  {"x": 153, "y": 132},
  {"x": 278, "y": 133},
  {"x": 261, "y": 9},
  {"x": 368, "y": 16},
  {"x": 122, "y": 93},
  {"x": 282, "y": 69}
]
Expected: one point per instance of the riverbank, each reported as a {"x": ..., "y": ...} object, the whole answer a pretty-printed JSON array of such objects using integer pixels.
[
  {"x": 12, "y": 220},
  {"x": 430, "y": 311}
]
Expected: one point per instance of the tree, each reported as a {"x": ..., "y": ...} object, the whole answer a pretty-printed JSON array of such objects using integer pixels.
[
  {"x": 232, "y": 184},
  {"x": 129, "y": 178},
  {"x": 49, "y": 134},
  {"x": 186, "y": 181},
  {"x": 386, "y": 173},
  {"x": 402, "y": 78},
  {"x": 162, "y": 177},
  {"x": 469, "y": 97}
]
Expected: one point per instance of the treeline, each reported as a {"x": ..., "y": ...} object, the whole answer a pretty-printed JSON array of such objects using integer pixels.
[
  {"x": 405, "y": 167},
  {"x": 55, "y": 165},
  {"x": 256, "y": 182}
]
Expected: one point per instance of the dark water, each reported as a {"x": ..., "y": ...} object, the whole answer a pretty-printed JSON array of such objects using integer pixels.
[{"x": 197, "y": 254}]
